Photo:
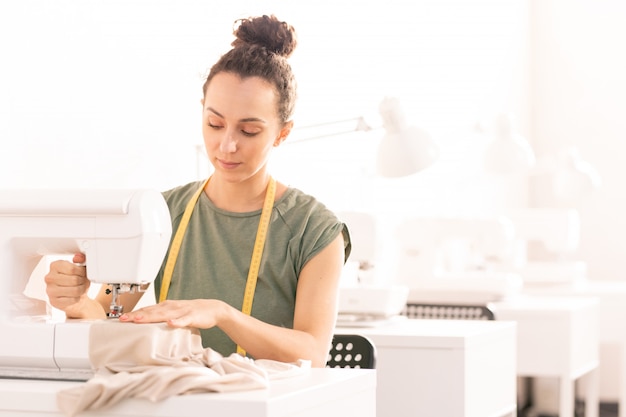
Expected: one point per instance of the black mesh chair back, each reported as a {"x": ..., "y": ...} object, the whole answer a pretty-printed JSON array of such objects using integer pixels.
[
  {"x": 448, "y": 311},
  {"x": 351, "y": 351}
]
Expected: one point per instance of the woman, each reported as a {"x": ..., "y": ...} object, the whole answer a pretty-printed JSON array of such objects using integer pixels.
[{"x": 249, "y": 97}]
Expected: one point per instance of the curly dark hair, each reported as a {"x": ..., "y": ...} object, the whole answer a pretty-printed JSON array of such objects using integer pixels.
[{"x": 261, "y": 49}]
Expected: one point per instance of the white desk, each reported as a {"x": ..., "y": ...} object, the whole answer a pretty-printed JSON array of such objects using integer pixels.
[
  {"x": 557, "y": 337},
  {"x": 322, "y": 392},
  {"x": 443, "y": 368},
  {"x": 611, "y": 296}
]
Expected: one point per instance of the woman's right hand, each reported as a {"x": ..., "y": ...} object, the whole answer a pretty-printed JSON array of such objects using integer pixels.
[{"x": 67, "y": 285}]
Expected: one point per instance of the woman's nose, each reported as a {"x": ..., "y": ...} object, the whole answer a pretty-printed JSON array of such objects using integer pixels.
[{"x": 228, "y": 143}]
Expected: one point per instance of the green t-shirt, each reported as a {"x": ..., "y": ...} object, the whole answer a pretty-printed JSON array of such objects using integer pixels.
[{"x": 215, "y": 254}]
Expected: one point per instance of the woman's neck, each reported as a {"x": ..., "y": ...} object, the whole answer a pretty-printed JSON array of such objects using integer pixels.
[{"x": 239, "y": 197}]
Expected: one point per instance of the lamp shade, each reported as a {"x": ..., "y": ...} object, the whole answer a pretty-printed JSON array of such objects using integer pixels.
[
  {"x": 404, "y": 149},
  {"x": 509, "y": 152},
  {"x": 574, "y": 178}
]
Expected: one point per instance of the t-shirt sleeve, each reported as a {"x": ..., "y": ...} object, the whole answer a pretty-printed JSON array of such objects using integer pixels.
[{"x": 321, "y": 230}]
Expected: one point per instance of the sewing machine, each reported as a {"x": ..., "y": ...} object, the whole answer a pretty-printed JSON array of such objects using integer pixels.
[
  {"x": 124, "y": 235},
  {"x": 545, "y": 245},
  {"x": 365, "y": 296},
  {"x": 451, "y": 259}
]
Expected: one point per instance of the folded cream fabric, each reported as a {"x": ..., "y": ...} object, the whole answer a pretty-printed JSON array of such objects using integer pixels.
[{"x": 154, "y": 361}]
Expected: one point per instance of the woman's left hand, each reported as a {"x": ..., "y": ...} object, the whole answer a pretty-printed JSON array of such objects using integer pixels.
[{"x": 201, "y": 314}]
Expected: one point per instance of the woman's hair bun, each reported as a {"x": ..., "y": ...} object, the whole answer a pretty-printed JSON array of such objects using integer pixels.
[{"x": 268, "y": 32}]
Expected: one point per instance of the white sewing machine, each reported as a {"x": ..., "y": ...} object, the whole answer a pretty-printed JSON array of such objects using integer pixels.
[
  {"x": 450, "y": 259},
  {"x": 545, "y": 245},
  {"x": 365, "y": 296},
  {"x": 124, "y": 235}
]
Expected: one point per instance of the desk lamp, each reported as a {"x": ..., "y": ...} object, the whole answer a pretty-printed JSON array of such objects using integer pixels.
[
  {"x": 404, "y": 149},
  {"x": 574, "y": 178},
  {"x": 509, "y": 152}
]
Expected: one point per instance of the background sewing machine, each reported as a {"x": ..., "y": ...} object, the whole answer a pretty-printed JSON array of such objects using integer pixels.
[
  {"x": 365, "y": 296},
  {"x": 124, "y": 235},
  {"x": 546, "y": 240},
  {"x": 451, "y": 260}
]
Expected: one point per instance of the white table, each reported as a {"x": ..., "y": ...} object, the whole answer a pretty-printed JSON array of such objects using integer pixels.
[
  {"x": 443, "y": 368},
  {"x": 321, "y": 392},
  {"x": 611, "y": 296},
  {"x": 557, "y": 337}
]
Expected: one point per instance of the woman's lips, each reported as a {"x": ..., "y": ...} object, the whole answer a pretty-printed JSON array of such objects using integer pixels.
[{"x": 228, "y": 164}]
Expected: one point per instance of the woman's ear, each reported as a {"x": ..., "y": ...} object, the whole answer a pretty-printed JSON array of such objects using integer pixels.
[{"x": 284, "y": 132}]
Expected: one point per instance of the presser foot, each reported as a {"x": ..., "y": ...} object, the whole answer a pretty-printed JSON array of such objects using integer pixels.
[
  {"x": 116, "y": 308},
  {"x": 115, "y": 311}
]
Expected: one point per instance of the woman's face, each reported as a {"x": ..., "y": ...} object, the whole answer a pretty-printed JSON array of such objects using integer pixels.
[{"x": 240, "y": 125}]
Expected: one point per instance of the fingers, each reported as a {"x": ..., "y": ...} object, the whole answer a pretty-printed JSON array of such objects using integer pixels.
[
  {"x": 66, "y": 283},
  {"x": 174, "y": 313},
  {"x": 64, "y": 297},
  {"x": 79, "y": 258},
  {"x": 157, "y": 313},
  {"x": 64, "y": 269}
]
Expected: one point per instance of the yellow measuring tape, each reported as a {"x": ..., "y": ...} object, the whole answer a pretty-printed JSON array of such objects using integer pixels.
[
  {"x": 257, "y": 252},
  {"x": 177, "y": 242}
]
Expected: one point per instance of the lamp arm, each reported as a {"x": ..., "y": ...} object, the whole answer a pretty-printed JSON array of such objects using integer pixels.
[{"x": 360, "y": 126}]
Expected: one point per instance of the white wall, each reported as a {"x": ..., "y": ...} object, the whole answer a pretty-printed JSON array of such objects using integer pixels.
[
  {"x": 579, "y": 98},
  {"x": 453, "y": 64},
  {"x": 106, "y": 93},
  {"x": 101, "y": 93}
]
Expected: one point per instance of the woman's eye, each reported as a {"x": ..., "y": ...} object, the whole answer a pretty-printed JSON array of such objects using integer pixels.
[
  {"x": 249, "y": 133},
  {"x": 214, "y": 126}
]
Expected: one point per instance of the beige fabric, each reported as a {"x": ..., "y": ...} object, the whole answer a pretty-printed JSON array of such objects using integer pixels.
[{"x": 154, "y": 361}]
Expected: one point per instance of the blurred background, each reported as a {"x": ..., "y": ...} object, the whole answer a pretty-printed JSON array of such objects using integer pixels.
[{"x": 106, "y": 94}]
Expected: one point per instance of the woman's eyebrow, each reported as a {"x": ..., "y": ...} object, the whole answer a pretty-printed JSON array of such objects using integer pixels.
[
  {"x": 212, "y": 110},
  {"x": 247, "y": 119},
  {"x": 252, "y": 119}
]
